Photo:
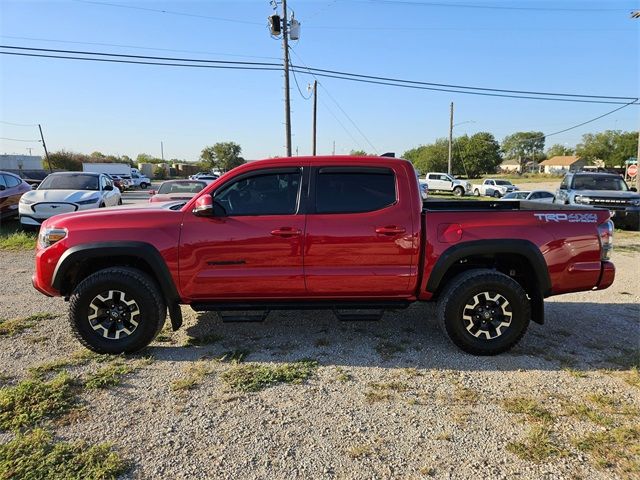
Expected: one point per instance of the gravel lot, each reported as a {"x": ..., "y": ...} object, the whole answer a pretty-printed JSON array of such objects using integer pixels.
[{"x": 390, "y": 399}]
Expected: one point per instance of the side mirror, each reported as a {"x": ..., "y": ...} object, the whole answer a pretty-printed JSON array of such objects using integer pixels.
[
  {"x": 633, "y": 189},
  {"x": 108, "y": 188}
]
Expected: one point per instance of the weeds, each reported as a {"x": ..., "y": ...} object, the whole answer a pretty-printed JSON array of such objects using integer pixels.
[
  {"x": 253, "y": 377},
  {"x": 200, "y": 341},
  {"x": 342, "y": 375},
  {"x": 618, "y": 448},
  {"x": 194, "y": 375},
  {"x": 35, "y": 455},
  {"x": 575, "y": 373},
  {"x": 12, "y": 327},
  {"x": 108, "y": 376},
  {"x": 529, "y": 407},
  {"x": 33, "y": 400},
  {"x": 18, "y": 241},
  {"x": 538, "y": 446}
]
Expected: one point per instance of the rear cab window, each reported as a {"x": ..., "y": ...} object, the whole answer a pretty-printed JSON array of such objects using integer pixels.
[{"x": 354, "y": 189}]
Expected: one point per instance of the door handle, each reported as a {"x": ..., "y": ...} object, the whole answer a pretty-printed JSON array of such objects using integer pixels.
[
  {"x": 286, "y": 232},
  {"x": 390, "y": 230}
]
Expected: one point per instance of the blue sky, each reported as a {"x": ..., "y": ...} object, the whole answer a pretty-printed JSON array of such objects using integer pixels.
[{"x": 129, "y": 109}]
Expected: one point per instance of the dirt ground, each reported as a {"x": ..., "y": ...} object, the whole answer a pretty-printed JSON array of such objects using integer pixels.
[{"x": 388, "y": 399}]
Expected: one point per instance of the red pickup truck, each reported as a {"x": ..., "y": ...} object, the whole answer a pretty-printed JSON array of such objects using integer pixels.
[{"x": 345, "y": 233}]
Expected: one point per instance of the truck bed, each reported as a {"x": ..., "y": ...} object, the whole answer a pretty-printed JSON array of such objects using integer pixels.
[{"x": 510, "y": 205}]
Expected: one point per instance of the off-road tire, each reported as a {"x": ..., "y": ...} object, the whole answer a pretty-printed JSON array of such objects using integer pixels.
[
  {"x": 456, "y": 297},
  {"x": 458, "y": 191},
  {"x": 136, "y": 285}
]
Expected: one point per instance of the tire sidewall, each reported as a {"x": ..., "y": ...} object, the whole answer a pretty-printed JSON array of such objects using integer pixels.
[
  {"x": 147, "y": 319},
  {"x": 455, "y": 325}
]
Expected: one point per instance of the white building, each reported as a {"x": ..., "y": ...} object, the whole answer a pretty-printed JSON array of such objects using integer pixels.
[{"x": 20, "y": 162}]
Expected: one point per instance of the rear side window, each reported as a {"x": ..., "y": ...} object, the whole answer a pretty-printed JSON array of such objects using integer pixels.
[
  {"x": 11, "y": 181},
  {"x": 344, "y": 190}
]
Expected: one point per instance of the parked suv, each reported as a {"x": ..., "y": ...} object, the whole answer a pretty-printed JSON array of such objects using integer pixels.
[
  {"x": 446, "y": 183},
  {"x": 606, "y": 190}
]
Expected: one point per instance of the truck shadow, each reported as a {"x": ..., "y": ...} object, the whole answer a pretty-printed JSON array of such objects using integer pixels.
[{"x": 578, "y": 336}]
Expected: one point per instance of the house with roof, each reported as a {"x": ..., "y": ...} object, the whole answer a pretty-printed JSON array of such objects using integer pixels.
[
  {"x": 562, "y": 163},
  {"x": 511, "y": 165}
]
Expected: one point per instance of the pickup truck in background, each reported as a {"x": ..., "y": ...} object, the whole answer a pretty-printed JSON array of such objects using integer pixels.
[
  {"x": 604, "y": 190},
  {"x": 443, "y": 182},
  {"x": 341, "y": 233},
  {"x": 131, "y": 175},
  {"x": 494, "y": 188}
]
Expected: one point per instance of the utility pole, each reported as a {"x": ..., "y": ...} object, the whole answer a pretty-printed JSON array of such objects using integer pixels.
[
  {"x": 333, "y": 152},
  {"x": 46, "y": 154},
  {"x": 449, "y": 169},
  {"x": 162, "y": 151},
  {"x": 287, "y": 100},
  {"x": 315, "y": 117}
]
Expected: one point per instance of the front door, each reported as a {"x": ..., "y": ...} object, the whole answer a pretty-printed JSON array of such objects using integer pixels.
[
  {"x": 360, "y": 240},
  {"x": 256, "y": 249}
]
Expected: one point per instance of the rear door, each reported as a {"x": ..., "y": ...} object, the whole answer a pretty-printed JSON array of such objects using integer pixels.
[
  {"x": 359, "y": 240},
  {"x": 256, "y": 249}
]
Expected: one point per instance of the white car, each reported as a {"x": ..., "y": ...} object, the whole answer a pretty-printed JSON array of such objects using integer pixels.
[
  {"x": 494, "y": 188},
  {"x": 66, "y": 192},
  {"x": 446, "y": 183},
  {"x": 531, "y": 196}
]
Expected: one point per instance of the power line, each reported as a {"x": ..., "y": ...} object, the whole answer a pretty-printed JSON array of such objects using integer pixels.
[
  {"x": 108, "y": 60},
  {"x": 19, "y": 124},
  {"x": 295, "y": 79},
  {"x": 338, "y": 105},
  {"x": 19, "y": 140},
  {"x": 491, "y": 7},
  {"x": 137, "y": 47},
  {"x": 390, "y": 81},
  {"x": 168, "y": 12}
]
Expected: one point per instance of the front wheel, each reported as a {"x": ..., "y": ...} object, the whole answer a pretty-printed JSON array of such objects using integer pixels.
[
  {"x": 484, "y": 312},
  {"x": 143, "y": 185},
  {"x": 116, "y": 310},
  {"x": 458, "y": 191},
  {"x": 496, "y": 194}
]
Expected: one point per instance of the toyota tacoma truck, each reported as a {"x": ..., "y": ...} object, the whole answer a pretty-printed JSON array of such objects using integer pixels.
[
  {"x": 342, "y": 233},
  {"x": 494, "y": 188}
]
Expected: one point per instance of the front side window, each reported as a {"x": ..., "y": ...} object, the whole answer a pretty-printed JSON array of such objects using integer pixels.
[
  {"x": 344, "y": 190},
  {"x": 262, "y": 194}
]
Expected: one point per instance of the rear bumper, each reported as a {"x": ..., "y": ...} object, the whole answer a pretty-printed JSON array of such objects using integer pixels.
[{"x": 607, "y": 275}]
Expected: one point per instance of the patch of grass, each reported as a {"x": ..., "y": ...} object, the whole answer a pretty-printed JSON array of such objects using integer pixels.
[
  {"x": 108, "y": 376},
  {"x": 194, "y": 375},
  {"x": 253, "y": 377},
  {"x": 539, "y": 445},
  {"x": 18, "y": 241},
  {"x": 387, "y": 349},
  {"x": 342, "y": 375},
  {"x": 586, "y": 412},
  {"x": 617, "y": 449},
  {"x": 364, "y": 450},
  {"x": 412, "y": 372},
  {"x": 373, "y": 396},
  {"x": 390, "y": 386},
  {"x": 35, "y": 455},
  {"x": 33, "y": 400},
  {"x": 200, "y": 341},
  {"x": 12, "y": 327},
  {"x": 529, "y": 407},
  {"x": 632, "y": 377},
  {"x": 628, "y": 248},
  {"x": 379, "y": 392},
  {"x": 466, "y": 395},
  {"x": 575, "y": 373}
]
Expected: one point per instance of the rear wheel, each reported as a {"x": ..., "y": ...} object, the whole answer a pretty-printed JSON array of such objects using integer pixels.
[
  {"x": 484, "y": 312},
  {"x": 143, "y": 185},
  {"x": 458, "y": 191},
  {"x": 116, "y": 310},
  {"x": 476, "y": 192},
  {"x": 496, "y": 194}
]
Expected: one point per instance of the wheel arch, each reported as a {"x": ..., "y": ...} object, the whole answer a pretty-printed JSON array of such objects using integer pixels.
[
  {"x": 520, "y": 259},
  {"x": 80, "y": 261}
]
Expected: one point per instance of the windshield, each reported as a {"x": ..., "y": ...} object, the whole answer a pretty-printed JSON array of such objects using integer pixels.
[
  {"x": 76, "y": 181},
  {"x": 599, "y": 182},
  {"x": 502, "y": 182},
  {"x": 181, "y": 187}
]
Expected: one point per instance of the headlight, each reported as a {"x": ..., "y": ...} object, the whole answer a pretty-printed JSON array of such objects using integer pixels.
[
  {"x": 582, "y": 199},
  {"x": 50, "y": 235},
  {"x": 89, "y": 201},
  {"x": 26, "y": 201}
]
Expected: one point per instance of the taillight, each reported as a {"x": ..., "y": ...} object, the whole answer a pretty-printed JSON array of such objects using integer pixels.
[{"x": 605, "y": 233}]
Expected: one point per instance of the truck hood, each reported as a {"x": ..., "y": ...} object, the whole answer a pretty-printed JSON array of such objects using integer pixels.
[
  {"x": 607, "y": 194},
  {"x": 69, "y": 196},
  {"x": 120, "y": 214}
]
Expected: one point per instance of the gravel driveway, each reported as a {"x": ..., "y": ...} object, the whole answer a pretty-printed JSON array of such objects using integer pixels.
[{"x": 389, "y": 399}]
